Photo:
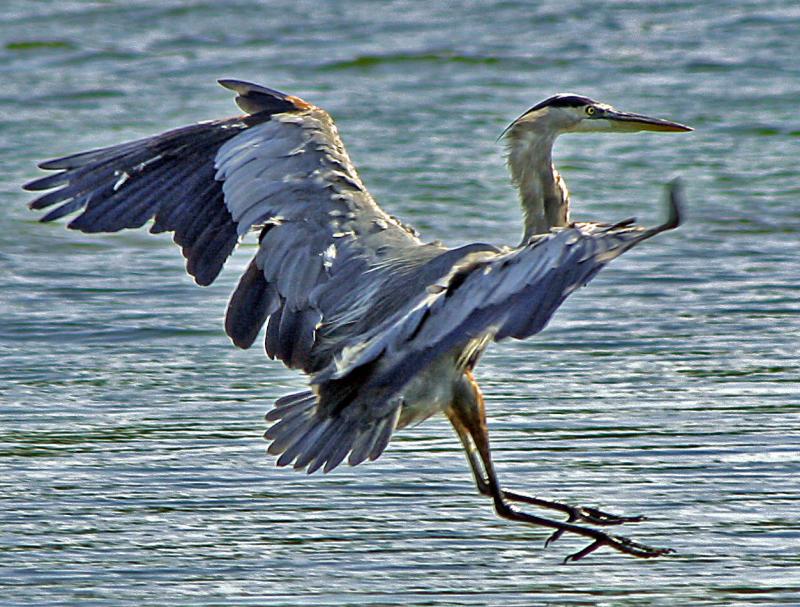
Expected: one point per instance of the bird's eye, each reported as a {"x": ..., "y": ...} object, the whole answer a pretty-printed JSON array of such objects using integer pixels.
[{"x": 591, "y": 110}]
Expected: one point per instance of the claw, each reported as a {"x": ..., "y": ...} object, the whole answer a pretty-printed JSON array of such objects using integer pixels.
[
  {"x": 582, "y": 553},
  {"x": 556, "y": 534},
  {"x": 573, "y": 515},
  {"x": 621, "y": 544},
  {"x": 593, "y": 516},
  {"x": 599, "y": 517}
]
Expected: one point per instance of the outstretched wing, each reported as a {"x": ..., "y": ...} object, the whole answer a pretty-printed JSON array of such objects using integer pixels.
[
  {"x": 282, "y": 167},
  {"x": 484, "y": 296},
  {"x": 480, "y": 295},
  {"x": 169, "y": 178}
]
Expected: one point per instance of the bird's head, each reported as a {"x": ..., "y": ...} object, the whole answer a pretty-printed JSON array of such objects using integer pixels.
[{"x": 573, "y": 113}]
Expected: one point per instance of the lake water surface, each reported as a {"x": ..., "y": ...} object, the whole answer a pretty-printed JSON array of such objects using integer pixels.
[{"x": 132, "y": 469}]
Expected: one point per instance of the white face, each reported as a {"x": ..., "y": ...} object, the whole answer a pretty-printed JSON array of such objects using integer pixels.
[
  {"x": 555, "y": 119},
  {"x": 551, "y": 119},
  {"x": 588, "y": 118},
  {"x": 591, "y": 116}
]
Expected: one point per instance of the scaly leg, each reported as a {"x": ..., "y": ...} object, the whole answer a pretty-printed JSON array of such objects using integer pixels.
[
  {"x": 584, "y": 514},
  {"x": 469, "y": 420}
]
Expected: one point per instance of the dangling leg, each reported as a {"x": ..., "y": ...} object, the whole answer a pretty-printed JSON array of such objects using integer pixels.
[
  {"x": 584, "y": 514},
  {"x": 469, "y": 420}
]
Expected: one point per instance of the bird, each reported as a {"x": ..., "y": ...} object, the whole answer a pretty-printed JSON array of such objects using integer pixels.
[{"x": 388, "y": 328}]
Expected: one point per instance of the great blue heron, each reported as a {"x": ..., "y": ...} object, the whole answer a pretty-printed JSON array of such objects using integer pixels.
[{"x": 387, "y": 327}]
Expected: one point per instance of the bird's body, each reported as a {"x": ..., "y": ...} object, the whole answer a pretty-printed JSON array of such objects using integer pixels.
[{"x": 388, "y": 328}]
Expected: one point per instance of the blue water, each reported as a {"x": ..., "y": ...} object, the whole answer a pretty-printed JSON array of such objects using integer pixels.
[{"x": 132, "y": 471}]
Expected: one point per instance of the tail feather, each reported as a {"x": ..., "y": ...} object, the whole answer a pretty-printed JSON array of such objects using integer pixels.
[
  {"x": 291, "y": 399},
  {"x": 338, "y": 452},
  {"x": 370, "y": 443},
  {"x": 328, "y": 442},
  {"x": 383, "y": 435},
  {"x": 300, "y": 436},
  {"x": 290, "y": 409},
  {"x": 304, "y": 444},
  {"x": 362, "y": 445},
  {"x": 287, "y": 431}
]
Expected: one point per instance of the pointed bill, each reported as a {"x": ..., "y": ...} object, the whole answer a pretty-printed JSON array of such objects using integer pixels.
[{"x": 626, "y": 121}]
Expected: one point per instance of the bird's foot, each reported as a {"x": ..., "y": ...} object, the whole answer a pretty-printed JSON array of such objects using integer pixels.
[
  {"x": 592, "y": 516},
  {"x": 620, "y": 544},
  {"x": 599, "y": 538}
]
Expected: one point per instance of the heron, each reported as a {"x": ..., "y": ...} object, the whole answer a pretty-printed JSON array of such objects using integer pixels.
[{"x": 387, "y": 327}]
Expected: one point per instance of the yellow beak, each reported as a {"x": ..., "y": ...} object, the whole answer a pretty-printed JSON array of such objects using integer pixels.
[{"x": 624, "y": 121}]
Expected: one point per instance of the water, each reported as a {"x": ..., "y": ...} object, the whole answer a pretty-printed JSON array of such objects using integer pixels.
[{"x": 132, "y": 469}]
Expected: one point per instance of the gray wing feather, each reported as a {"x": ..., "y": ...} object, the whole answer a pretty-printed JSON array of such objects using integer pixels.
[
  {"x": 251, "y": 304},
  {"x": 487, "y": 296},
  {"x": 324, "y": 244},
  {"x": 293, "y": 175},
  {"x": 168, "y": 178}
]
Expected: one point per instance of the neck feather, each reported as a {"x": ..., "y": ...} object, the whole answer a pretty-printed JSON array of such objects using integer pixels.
[{"x": 543, "y": 195}]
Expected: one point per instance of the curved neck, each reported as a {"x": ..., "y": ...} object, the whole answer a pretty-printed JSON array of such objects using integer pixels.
[{"x": 543, "y": 195}]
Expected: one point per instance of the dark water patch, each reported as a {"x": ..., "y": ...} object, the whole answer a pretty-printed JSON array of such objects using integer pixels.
[
  {"x": 370, "y": 61},
  {"x": 755, "y": 130},
  {"x": 37, "y": 45},
  {"x": 725, "y": 373},
  {"x": 74, "y": 95},
  {"x": 95, "y": 58},
  {"x": 77, "y": 332}
]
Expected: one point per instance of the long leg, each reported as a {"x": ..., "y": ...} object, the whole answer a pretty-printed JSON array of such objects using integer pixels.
[
  {"x": 584, "y": 514},
  {"x": 469, "y": 420}
]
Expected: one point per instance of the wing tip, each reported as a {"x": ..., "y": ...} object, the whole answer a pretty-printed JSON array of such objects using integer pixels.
[
  {"x": 33, "y": 184},
  {"x": 51, "y": 164},
  {"x": 676, "y": 202},
  {"x": 254, "y": 98}
]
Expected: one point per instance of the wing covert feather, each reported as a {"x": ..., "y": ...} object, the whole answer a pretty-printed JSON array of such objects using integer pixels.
[
  {"x": 293, "y": 175},
  {"x": 283, "y": 167},
  {"x": 489, "y": 296}
]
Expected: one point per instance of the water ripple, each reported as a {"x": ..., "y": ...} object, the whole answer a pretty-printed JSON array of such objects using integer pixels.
[{"x": 132, "y": 471}]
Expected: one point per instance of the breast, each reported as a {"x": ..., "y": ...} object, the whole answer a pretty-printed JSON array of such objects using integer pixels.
[{"x": 431, "y": 391}]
